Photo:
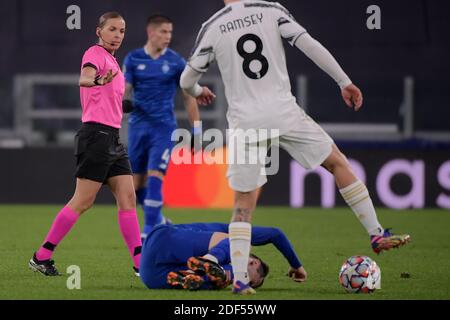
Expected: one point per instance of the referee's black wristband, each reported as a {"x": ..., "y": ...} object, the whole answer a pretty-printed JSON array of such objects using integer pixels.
[
  {"x": 96, "y": 80},
  {"x": 127, "y": 106}
]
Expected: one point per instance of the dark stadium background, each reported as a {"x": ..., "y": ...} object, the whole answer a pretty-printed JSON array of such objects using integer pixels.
[{"x": 412, "y": 44}]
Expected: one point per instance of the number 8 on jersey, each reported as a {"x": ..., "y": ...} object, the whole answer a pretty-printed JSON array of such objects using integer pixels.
[{"x": 249, "y": 57}]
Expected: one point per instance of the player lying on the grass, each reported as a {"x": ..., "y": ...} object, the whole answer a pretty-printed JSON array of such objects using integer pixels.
[{"x": 206, "y": 249}]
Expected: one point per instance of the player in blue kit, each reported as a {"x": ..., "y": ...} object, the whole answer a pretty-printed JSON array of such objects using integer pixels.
[
  {"x": 197, "y": 256},
  {"x": 152, "y": 78}
]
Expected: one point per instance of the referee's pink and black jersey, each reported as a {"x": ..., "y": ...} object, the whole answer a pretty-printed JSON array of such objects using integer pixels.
[{"x": 102, "y": 104}]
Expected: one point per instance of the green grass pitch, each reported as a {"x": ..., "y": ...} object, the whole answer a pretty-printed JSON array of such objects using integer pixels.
[{"x": 322, "y": 238}]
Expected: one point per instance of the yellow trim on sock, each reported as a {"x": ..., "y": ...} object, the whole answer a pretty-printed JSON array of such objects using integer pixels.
[
  {"x": 359, "y": 185},
  {"x": 355, "y": 192},
  {"x": 245, "y": 235},
  {"x": 239, "y": 229},
  {"x": 358, "y": 201}
]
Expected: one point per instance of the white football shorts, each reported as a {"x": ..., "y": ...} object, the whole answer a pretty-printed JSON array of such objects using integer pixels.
[{"x": 308, "y": 144}]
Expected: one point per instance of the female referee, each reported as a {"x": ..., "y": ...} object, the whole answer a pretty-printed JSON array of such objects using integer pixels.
[{"x": 100, "y": 156}]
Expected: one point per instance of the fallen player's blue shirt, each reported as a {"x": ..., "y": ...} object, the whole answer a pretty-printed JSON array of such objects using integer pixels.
[{"x": 168, "y": 247}]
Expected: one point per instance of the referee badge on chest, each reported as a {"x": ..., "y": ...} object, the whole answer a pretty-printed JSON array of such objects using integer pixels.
[{"x": 165, "y": 68}]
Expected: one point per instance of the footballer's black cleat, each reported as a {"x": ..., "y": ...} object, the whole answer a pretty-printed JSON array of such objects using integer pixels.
[
  {"x": 185, "y": 280},
  {"x": 213, "y": 270},
  {"x": 46, "y": 267}
]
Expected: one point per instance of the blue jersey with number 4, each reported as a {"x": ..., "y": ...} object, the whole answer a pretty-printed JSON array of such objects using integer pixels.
[{"x": 155, "y": 82}]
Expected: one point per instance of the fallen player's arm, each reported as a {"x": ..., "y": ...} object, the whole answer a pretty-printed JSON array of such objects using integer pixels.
[
  {"x": 298, "y": 275},
  {"x": 265, "y": 235}
]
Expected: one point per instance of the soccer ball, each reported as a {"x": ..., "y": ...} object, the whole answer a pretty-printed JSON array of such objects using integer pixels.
[{"x": 360, "y": 274}]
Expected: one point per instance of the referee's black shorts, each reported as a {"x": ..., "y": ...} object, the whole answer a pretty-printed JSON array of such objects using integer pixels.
[{"x": 99, "y": 153}]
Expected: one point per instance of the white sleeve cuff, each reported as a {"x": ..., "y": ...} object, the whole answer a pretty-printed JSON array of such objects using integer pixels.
[
  {"x": 189, "y": 82},
  {"x": 344, "y": 83},
  {"x": 195, "y": 91}
]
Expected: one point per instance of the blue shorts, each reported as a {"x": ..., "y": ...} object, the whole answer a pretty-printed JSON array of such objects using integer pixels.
[
  {"x": 167, "y": 248},
  {"x": 150, "y": 148}
]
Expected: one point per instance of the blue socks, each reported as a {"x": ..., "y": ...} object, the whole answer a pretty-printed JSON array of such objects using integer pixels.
[{"x": 153, "y": 204}]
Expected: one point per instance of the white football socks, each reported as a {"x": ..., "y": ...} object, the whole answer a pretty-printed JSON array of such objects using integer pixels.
[
  {"x": 357, "y": 197},
  {"x": 240, "y": 241}
]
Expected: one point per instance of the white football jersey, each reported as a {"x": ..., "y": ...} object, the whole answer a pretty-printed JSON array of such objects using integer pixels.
[{"x": 245, "y": 38}]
